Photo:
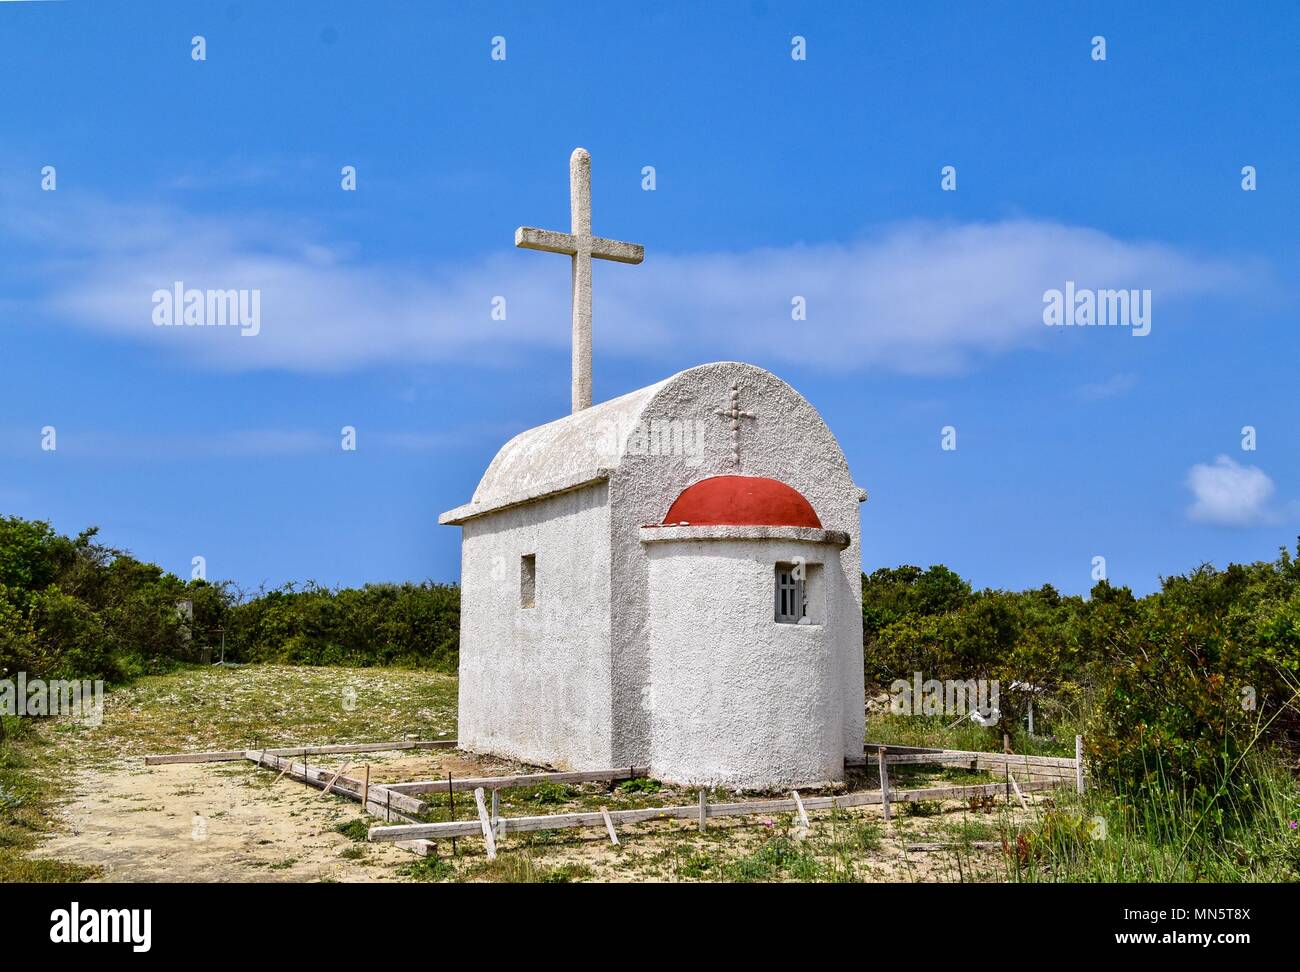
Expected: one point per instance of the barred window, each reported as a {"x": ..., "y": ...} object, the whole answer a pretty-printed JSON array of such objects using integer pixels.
[{"x": 790, "y": 602}]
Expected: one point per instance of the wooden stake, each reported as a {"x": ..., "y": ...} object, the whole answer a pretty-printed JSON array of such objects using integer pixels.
[
  {"x": 1016, "y": 786},
  {"x": 798, "y": 802},
  {"x": 451, "y": 800},
  {"x": 365, "y": 789},
  {"x": 609, "y": 826},
  {"x": 488, "y": 838},
  {"x": 803, "y": 814},
  {"x": 704, "y": 811},
  {"x": 334, "y": 779},
  {"x": 1078, "y": 764},
  {"x": 884, "y": 781},
  {"x": 288, "y": 765}
]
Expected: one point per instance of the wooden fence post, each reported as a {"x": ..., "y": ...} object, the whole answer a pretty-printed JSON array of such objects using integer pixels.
[
  {"x": 488, "y": 838},
  {"x": 704, "y": 811},
  {"x": 1078, "y": 764},
  {"x": 884, "y": 781},
  {"x": 451, "y": 803}
]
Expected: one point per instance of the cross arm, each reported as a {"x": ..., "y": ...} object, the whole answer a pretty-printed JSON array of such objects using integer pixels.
[
  {"x": 616, "y": 250},
  {"x": 530, "y": 238}
]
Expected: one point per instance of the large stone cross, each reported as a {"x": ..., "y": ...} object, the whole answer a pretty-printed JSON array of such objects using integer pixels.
[{"x": 582, "y": 246}]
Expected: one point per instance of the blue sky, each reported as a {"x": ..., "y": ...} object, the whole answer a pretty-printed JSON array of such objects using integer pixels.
[{"x": 774, "y": 178}]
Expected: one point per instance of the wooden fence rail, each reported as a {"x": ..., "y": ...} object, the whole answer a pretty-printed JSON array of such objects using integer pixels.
[
  {"x": 470, "y": 783},
  {"x": 956, "y": 756},
  {"x": 562, "y": 821},
  {"x": 230, "y": 755},
  {"x": 380, "y": 800}
]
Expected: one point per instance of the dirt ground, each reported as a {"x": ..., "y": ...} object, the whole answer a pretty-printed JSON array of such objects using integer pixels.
[
  {"x": 231, "y": 822},
  {"x": 197, "y": 822}
]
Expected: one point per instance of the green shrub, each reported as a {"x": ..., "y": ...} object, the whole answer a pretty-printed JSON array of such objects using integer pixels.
[
  {"x": 1161, "y": 686},
  {"x": 922, "y": 808},
  {"x": 356, "y": 829},
  {"x": 548, "y": 793},
  {"x": 640, "y": 784},
  {"x": 73, "y": 608}
]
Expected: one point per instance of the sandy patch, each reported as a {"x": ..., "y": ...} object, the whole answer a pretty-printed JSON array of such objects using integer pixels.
[{"x": 210, "y": 822}]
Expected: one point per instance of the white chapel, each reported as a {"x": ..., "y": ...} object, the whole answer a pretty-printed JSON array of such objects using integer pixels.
[{"x": 669, "y": 579}]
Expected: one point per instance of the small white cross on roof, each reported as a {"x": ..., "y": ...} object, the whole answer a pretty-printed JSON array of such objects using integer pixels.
[
  {"x": 734, "y": 413},
  {"x": 582, "y": 246}
]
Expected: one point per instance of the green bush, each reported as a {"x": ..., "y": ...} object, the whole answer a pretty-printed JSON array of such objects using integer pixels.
[
  {"x": 73, "y": 608},
  {"x": 412, "y": 625},
  {"x": 1163, "y": 685}
]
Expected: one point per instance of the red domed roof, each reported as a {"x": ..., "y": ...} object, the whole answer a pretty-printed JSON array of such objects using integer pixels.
[{"x": 742, "y": 501}]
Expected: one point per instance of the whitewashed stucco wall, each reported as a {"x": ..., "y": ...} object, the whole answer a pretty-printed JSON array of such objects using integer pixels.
[
  {"x": 535, "y": 682},
  {"x": 736, "y": 699},
  {"x": 787, "y": 441}
]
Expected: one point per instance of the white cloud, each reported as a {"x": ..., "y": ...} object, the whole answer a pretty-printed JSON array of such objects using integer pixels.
[
  {"x": 919, "y": 298},
  {"x": 1230, "y": 494}
]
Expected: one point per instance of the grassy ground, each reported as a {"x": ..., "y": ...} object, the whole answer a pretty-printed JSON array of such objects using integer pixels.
[
  {"x": 268, "y": 705},
  {"x": 28, "y": 787},
  {"x": 203, "y": 708},
  {"x": 1250, "y": 834},
  {"x": 936, "y": 732}
]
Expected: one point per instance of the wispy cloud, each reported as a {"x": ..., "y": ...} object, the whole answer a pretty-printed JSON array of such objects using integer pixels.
[
  {"x": 1226, "y": 493},
  {"x": 1113, "y": 387},
  {"x": 239, "y": 171},
  {"x": 917, "y": 298}
]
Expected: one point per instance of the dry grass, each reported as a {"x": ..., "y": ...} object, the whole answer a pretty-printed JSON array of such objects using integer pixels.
[{"x": 268, "y": 705}]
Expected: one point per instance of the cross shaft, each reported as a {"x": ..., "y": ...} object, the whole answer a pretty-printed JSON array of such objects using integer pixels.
[{"x": 582, "y": 247}]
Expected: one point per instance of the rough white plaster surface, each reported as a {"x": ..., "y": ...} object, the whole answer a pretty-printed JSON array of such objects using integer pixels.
[
  {"x": 596, "y": 647},
  {"x": 736, "y": 699},
  {"x": 535, "y": 682}
]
